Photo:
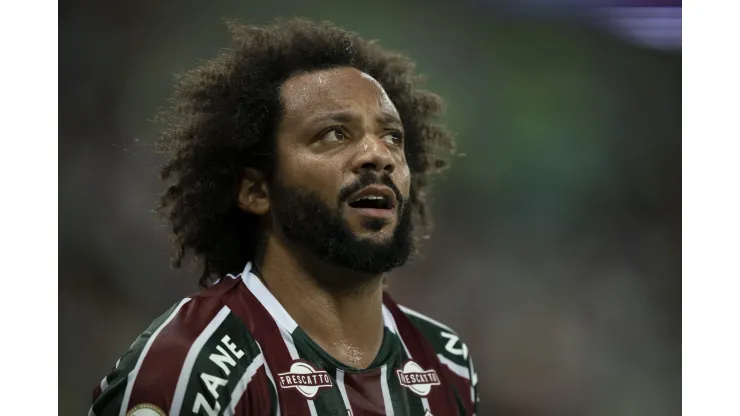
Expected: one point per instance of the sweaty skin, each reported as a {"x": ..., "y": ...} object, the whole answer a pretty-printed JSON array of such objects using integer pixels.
[{"x": 336, "y": 124}]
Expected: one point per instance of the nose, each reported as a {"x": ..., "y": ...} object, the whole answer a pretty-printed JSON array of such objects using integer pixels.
[{"x": 373, "y": 155}]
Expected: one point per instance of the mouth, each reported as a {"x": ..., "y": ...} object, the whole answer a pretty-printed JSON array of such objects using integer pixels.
[{"x": 374, "y": 201}]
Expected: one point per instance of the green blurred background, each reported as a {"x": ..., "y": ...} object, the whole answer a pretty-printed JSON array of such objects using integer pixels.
[{"x": 556, "y": 253}]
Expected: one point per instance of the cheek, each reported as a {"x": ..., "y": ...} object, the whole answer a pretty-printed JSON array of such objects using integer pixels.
[
  {"x": 293, "y": 167},
  {"x": 403, "y": 179},
  {"x": 309, "y": 173}
]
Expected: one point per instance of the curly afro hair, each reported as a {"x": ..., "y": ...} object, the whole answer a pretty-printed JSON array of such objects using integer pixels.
[{"x": 223, "y": 117}]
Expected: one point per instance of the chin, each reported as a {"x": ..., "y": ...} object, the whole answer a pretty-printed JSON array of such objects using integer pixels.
[
  {"x": 376, "y": 238},
  {"x": 373, "y": 228}
]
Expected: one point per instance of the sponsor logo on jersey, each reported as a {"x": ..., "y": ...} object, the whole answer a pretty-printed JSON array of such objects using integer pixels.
[
  {"x": 146, "y": 409},
  {"x": 417, "y": 379},
  {"x": 304, "y": 378}
]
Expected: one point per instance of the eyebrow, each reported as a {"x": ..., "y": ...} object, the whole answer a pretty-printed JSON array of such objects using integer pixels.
[{"x": 384, "y": 118}]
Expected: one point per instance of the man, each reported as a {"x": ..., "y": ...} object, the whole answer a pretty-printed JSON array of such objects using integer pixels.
[{"x": 300, "y": 158}]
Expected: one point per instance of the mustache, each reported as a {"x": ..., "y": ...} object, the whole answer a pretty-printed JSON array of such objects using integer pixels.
[{"x": 369, "y": 178}]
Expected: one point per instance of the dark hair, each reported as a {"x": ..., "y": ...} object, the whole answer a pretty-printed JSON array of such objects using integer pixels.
[{"x": 223, "y": 117}]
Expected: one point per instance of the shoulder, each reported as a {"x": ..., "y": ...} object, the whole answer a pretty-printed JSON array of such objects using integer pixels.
[
  {"x": 193, "y": 355},
  {"x": 450, "y": 348},
  {"x": 452, "y": 352}
]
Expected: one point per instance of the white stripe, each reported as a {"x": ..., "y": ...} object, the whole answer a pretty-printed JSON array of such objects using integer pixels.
[
  {"x": 187, "y": 366},
  {"x": 272, "y": 380},
  {"x": 458, "y": 369},
  {"x": 103, "y": 387},
  {"x": 288, "y": 339},
  {"x": 388, "y": 320},
  {"x": 243, "y": 383},
  {"x": 132, "y": 375},
  {"x": 424, "y": 317},
  {"x": 386, "y": 392},
  {"x": 229, "y": 275},
  {"x": 473, "y": 381},
  {"x": 425, "y": 403},
  {"x": 343, "y": 390},
  {"x": 392, "y": 322},
  {"x": 263, "y": 295},
  {"x": 285, "y": 323}
]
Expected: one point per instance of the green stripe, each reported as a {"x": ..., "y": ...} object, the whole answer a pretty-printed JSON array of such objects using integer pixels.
[
  {"x": 218, "y": 369},
  {"x": 328, "y": 401},
  {"x": 433, "y": 333},
  {"x": 405, "y": 402},
  {"x": 109, "y": 403}
]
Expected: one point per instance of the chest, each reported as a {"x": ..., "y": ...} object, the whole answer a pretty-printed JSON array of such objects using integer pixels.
[{"x": 395, "y": 388}]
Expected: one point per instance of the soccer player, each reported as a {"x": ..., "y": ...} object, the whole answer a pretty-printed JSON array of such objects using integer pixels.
[{"x": 300, "y": 159}]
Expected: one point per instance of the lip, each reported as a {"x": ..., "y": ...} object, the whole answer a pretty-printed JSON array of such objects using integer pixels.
[
  {"x": 374, "y": 190},
  {"x": 385, "y": 214}
]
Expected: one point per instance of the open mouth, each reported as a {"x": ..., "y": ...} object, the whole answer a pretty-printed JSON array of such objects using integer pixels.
[{"x": 372, "y": 201}]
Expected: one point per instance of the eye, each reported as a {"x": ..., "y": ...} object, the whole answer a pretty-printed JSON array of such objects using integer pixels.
[
  {"x": 395, "y": 138},
  {"x": 334, "y": 134}
]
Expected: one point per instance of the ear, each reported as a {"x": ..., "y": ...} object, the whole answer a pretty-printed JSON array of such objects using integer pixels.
[{"x": 253, "y": 196}]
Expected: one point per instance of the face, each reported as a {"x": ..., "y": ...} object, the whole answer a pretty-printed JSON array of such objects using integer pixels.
[{"x": 342, "y": 182}]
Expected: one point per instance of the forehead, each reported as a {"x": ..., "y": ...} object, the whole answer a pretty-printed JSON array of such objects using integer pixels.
[{"x": 330, "y": 90}]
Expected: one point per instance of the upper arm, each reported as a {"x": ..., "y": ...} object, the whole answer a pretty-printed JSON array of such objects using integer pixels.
[
  {"x": 454, "y": 355},
  {"x": 202, "y": 362}
]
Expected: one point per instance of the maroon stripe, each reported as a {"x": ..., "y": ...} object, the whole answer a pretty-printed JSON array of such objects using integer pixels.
[
  {"x": 157, "y": 378},
  {"x": 364, "y": 393},
  {"x": 441, "y": 398},
  {"x": 462, "y": 386},
  {"x": 257, "y": 399},
  {"x": 245, "y": 407},
  {"x": 265, "y": 331}
]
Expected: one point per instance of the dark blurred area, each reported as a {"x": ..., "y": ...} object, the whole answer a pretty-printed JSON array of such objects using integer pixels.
[{"x": 556, "y": 253}]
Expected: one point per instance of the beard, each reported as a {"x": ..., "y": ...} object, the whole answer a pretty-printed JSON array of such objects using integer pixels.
[{"x": 307, "y": 221}]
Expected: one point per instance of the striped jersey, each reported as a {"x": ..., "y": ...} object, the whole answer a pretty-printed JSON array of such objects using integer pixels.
[{"x": 233, "y": 350}]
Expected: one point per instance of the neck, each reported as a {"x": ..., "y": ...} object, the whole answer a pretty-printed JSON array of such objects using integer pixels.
[{"x": 340, "y": 309}]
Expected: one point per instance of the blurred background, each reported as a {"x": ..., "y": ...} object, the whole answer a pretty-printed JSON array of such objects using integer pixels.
[{"x": 556, "y": 253}]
